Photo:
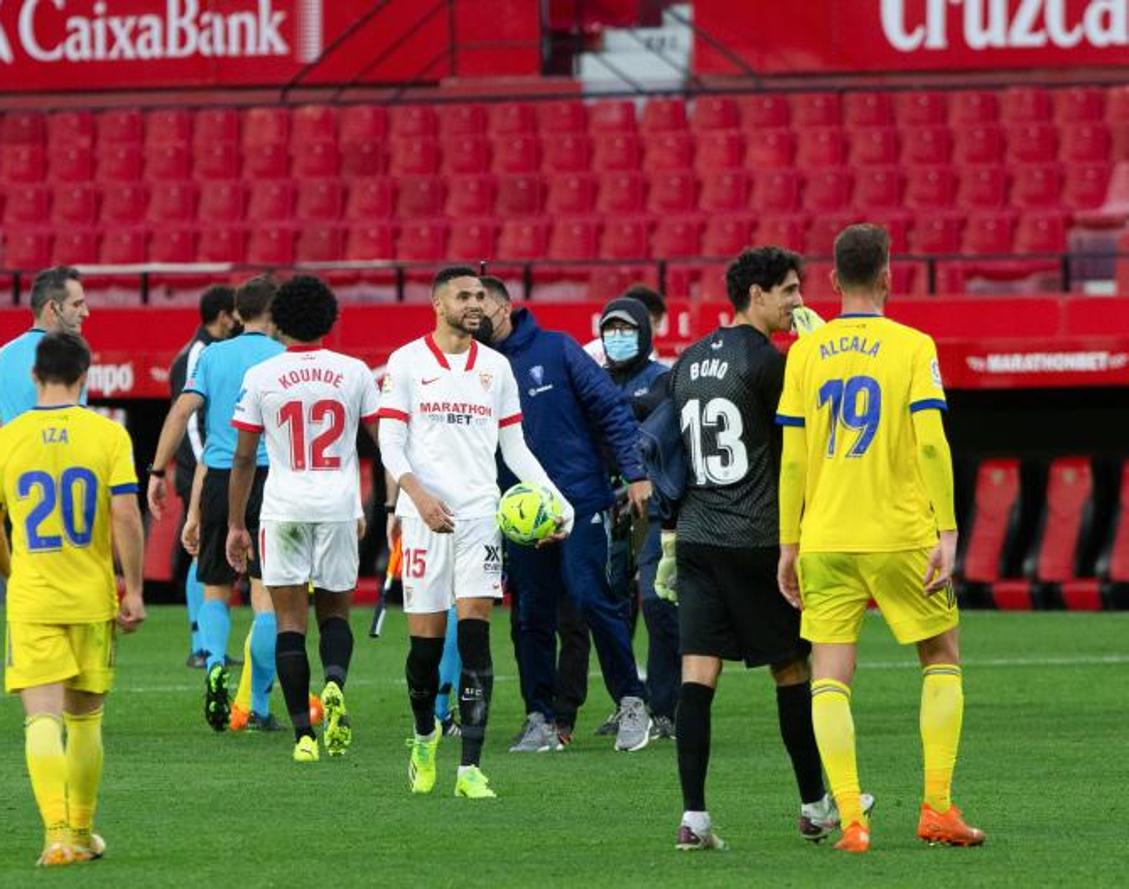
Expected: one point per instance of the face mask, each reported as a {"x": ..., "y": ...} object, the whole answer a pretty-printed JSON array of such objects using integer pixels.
[
  {"x": 621, "y": 345},
  {"x": 485, "y": 332}
]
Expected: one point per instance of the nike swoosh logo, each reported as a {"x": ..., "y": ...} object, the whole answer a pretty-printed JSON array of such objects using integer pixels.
[{"x": 429, "y": 382}]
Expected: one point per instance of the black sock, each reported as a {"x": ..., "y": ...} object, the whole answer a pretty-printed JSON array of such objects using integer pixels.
[
  {"x": 692, "y": 734},
  {"x": 476, "y": 686},
  {"x": 336, "y": 649},
  {"x": 422, "y": 672},
  {"x": 793, "y": 704},
  {"x": 294, "y": 676}
]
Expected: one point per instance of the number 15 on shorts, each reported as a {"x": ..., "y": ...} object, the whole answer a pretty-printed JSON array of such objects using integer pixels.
[{"x": 415, "y": 563}]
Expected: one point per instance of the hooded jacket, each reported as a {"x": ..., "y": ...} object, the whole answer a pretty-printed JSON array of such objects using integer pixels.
[
  {"x": 569, "y": 406},
  {"x": 636, "y": 377}
]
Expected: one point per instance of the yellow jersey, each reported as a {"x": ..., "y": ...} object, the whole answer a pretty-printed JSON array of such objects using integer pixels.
[
  {"x": 59, "y": 467},
  {"x": 853, "y": 385}
]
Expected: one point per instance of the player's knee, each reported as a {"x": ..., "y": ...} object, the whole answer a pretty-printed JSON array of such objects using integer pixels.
[
  {"x": 942, "y": 649},
  {"x": 474, "y": 643},
  {"x": 701, "y": 670},
  {"x": 791, "y": 672}
]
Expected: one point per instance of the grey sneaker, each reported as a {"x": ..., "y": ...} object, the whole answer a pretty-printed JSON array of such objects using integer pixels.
[
  {"x": 817, "y": 820},
  {"x": 609, "y": 726},
  {"x": 539, "y": 736},
  {"x": 662, "y": 727},
  {"x": 634, "y": 725}
]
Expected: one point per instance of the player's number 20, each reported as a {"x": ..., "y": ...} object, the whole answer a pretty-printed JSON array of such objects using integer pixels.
[
  {"x": 60, "y": 493},
  {"x": 856, "y": 403}
]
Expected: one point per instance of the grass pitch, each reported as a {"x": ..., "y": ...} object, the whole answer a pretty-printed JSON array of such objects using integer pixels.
[{"x": 1042, "y": 767}]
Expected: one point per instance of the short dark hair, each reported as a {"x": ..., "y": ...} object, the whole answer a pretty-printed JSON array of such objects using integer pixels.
[
  {"x": 304, "y": 308},
  {"x": 216, "y": 299},
  {"x": 450, "y": 273},
  {"x": 496, "y": 286},
  {"x": 50, "y": 285},
  {"x": 652, "y": 299},
  {"x": 253, "y": 298},
  {"x": 861, "y": 252},
  {"x": 766, "y": 267},
  {"x": 61, "y": 358}
]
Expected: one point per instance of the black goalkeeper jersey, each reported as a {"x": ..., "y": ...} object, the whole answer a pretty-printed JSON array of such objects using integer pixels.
[{"x": 726, "y": 388}]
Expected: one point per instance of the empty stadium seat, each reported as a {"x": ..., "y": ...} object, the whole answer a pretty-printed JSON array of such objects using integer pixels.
[
  {"x": 973, "y": 107},
  {"x": 575, "y": 238},
  {"x": 927, "y": 145},
  {"x": 625, "y": 238},
  {"x": 775, "y": 148},
  {"x": 715, "y": 113},
  {"x": 725, "y": 191},
  {"x": 567, "y": 152},
  {"x": 621, "y": 193},
  {"x": 821, "y": 147},
  {"x": 420, "y": 197},
  {"x": 271, "y": 245},
  {"x": 314, "y": 160},
  {"x": 319, "y": 200},
  {"x": 167, "y": 161},
  {"x": 668, "y": 151},
  {"x": 413, "y": 156},
  {"x": 173, "y": 245},
  {"x": 370, "y": 198},
  {"x": 776, "y": 191},
  {"x": 27, "y": 205},
  {"x": 75, "y": 246},
  {"x": 995, "y": 510},
  {"x": 470, "y": 196},
  {"x": 989, "y": 232},
  {"x": 174, "y": 203},
  {"x": 719, "y": 150},
  {"x": 674, "y": 191},
  {"x": 422, "y": 241},
  {"x": 220, "y": 202},
  {"x": 362, "y": 158},
  {"x": 215, "y": 125},
  {"x": 465, "y": 119},
  {"x": 787, "y": 231},
  {"x": 270, "y": 201},
  {"x": 676, "y": 236},
  {"x": 1065, "y": 524},
  {"x": 874, "y": 145},
  {"x": 726, "y": 236},
  {"x": 520, "y": 195},
  {"x": 313, "y": 123},
  {"x": 1041, "y": 232},
  {"x": 983, "y": 187},
  {"x": 979, "y": 143},
  {"x": 413, "y": 121},
  {"x": 612, "y": 116},
  {"x": 1085, "y": 142},
  {"x": 1113, "y": 561},
  {"x": 763, "y": 111},
  {"x": 1032, "y": 143},
  {"x": 320, "y": 243},
  {"x": 816, "y": 109},
  {"x": 937, "y": 233},
  {"x": 663, "y": 115},
  {"x": 26, "y": 249},
  {"x": 358, "y": 124},
  {"x": 265, "y": 126},
  {"x": 466, "y": 154},
  {"x": 119, "y": 162},
  {"x": 22, "y": 163},
  {"x": 512, "y": 117},
  {"x": 369, "y": 241},
  {"x": 120, "y": 126},
  {"x": 930, "y": 188},
  {"x": 866, "y": 109},
  {"x": 226, "y": 243},
  {"x": 215, "y": 160},
  {"x": 571, "y": 194},
  {"x": 523, "y": 239},
  {"x": 565, "y": 116},
  {"x": 517, "y": 153},
  {"x": 125, "y": 203},
  {"x": 71, "y": 128},
  {"x": 1085, "y": 186},
  {"x": 921, "y": 108},
  {"x": 615, "y": 151},
  {"x": 827, "y": 190},
  {"x": 1020, "y": 104},
  {"x": 71, "y": 163},
  {"x": 1077, "y": 104},
  {"x": 168, "y": 126},
  {"x": 74, "y": 205},
  {"x": 819, "y": 239},
  {"x": 473, "y": 240},
  {"x": 122, "y": 246},
  {"x": 1036, "y": 185}
]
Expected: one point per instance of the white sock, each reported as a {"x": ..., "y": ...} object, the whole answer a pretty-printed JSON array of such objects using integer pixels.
[
  {"x": 696, "y": 821},
  {"x": 464, "y": 769}
]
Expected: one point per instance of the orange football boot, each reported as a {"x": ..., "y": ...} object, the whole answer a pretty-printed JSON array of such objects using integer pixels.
[
  {"x": 948, "y": 828},
  {"x": 856, "y": 838}
]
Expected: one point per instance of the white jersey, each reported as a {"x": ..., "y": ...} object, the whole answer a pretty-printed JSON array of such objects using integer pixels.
[
  {"x": 309, "y": 402},
  {"x": 454, "y": 406}
]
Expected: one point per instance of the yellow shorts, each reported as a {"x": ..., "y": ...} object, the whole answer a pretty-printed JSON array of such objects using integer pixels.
[
  {"x": 836, "y": 588},
  {"x": 81, "y": 656}
]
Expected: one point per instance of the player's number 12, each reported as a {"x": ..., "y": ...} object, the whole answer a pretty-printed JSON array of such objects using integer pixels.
[{"x": 844, "y": 397}]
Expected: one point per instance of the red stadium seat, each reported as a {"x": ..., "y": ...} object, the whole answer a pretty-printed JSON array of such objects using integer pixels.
[
  {"x": 523, "y": 239},
  {"x": 27, "y": 205},
  {"x": 927, "y": 145},
  {"x": 1077, "y": 104},
  {"x": 313, "y": 123},
  {"x": 571, "y": 194},
  {"x": 125, "y": 203},
  {"x": 168, "y": 126},
  {"x": 1086, "y": 186},
  {"x": 715, "y": 113},
  {"x": 676, "y": 236},
  {"x": 611, "y": 116},
  {"x": 663, "y": 115},
  {"x": 821, "y": 147},
  {"x": 1070, "y": 488},
  {"x": 567, "y": 152},
  {"x": 215, "y": 125},
  {"x": 221, "y": 203},
  {"x": 625, "y": 238},
  {"x": 362, "y": 158},
  {"x": 70, "y": 128},
  {"x": 466, "y": 154},
  {"x": 420, "y": 197},
  {"x": 989, "y": 232},
  {"x": 319, "y": 200},
  {"x": 719, "y": 150},
  {"x": 983, "y": 187},
  {"x": 1117, "y": 105},
  {"x": 119, "y": 162},
  {"x": 26, "y": 249},
  {"x": 763, "y": 111},
  {"x": 413, "y": 156},
  {"x": 930, "y": 188},
  {"x": 897, "y": 224},
  {"x": 320, "y": 243},
  {"x": 770, "y": 149},
  {"x": 574, "y": 239},
  {"x": 422, "y": 241},
  {"x": 22, "y": 128},
  {"x": 1021, "y": 104},
  {"x": 936, "y": 233},
  {"x": 217, "y": 160},
  {"x": 473, "y": 240},
  {"x": 608, "y": 280},
  {"x": 171, "y": 203},
  {"x": 1036, "y": 186},
  {"x": 122, "y": 246},
  {"x": 265, "y": 126},
  {"x": 121, "y": 126},
  {"x": 75, "y": 246},
  {"x": 726, "y": 236},
  {"x": 566, "y": 116},
  {"x": 776, "y": 191},
  {"x": 819, "y": 240},
  {"x": 369, "y": 241},
  {"x": 370, "y": 198},
  {"x": 789, "y": 232},
  {"x": 517, "y": 153},
  {"x": 616, "y": 151},
  {"x": 316, "y": 160},
  {"x": 920, "y": 108},
  {"x": 725, "y": 191},
  {"x": 675, "y": 191},
  {"x": 225, "y": 244},
  {"x": 71, "y": 163},
  {"x": 520, "y": 195},
  {"x": 74, "y": 205},
  {"x": 512, "y": 117},
  {"x": 362, "y": 124},
  {"x": 979, "y": 143},
  {"x": 1032, "y": 143},
  {"x": 177, "y": 245},
  {"x": 470, "y": 196},
  {"x": 413, "y": 121},
  {"x": 995, "y": 509},
  {"x": 1085, "y": 142},
  {"x": 878, "y": 188},
  {"x": 270, "y": 201},
  {"x": 22, "y": 163},
  {"x": 973, "y": 107},
  {"x": 817, "y": 110},
  {"x": 874, "y": 146},
  {"x": 167, "y": 161},
  {"x": 868, "y": 110},
  {"x": 621, "y": 193},
  {"x": 827, "y": 190},
  {"x": 1041, "y": 232},
  {"x": 1113, "y": 563},
  {"x": 270, "y": 245}
]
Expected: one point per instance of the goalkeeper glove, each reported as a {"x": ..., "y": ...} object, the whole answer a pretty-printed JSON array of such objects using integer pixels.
[
  {"x": 666, "y": 576},
  {"x": 804, "y": 321}
]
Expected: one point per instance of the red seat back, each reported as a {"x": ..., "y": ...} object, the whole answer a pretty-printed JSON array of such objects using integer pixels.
[
  {"x": 1119, "y": 553},
  {"x": 995, "y": 499},
  {"x": 1070, "y": 486}
]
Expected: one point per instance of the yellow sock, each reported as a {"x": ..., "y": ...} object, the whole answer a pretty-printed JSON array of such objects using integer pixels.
[
  {"x": 835, "y": 735},
  {"x": 47, "y": 766},
  {"x": 942, "y": 710},
  {"x": 243, "y": 693},
  {"x": 84, "y": 770}
]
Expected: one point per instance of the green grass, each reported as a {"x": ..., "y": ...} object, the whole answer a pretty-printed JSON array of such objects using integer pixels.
[{"x": 1042, "y": 770}]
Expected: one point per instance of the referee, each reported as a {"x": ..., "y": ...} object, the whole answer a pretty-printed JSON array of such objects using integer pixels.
[{"x": 726, "y": 388}]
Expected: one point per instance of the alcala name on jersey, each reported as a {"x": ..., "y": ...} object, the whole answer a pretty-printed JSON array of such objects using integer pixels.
[
  {"x": 456, "y": 413},
  {"x": 844, "y": 344}
]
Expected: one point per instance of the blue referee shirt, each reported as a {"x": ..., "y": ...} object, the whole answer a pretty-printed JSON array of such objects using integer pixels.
[
  {"x": 218, "y": 379},
  {"x": 17, "y": 388}
]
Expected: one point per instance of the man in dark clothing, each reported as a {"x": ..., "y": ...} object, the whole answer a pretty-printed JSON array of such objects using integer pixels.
[
  {"x": 569, "y": 407},
  {"x": 217, "y": 322}
]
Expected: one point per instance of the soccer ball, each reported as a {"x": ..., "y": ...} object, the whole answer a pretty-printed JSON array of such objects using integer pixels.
[
  {"x": 317, "y": 712},
  {"x": 528, "y": 513}
]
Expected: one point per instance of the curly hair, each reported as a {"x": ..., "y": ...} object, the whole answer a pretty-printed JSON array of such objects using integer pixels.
[
  {"x": 304, "y": 308},
  {"x": 766, "y": 267}
]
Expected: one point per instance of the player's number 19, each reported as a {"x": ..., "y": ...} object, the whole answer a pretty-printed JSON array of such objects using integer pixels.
[{"x": 845, "y": 396}]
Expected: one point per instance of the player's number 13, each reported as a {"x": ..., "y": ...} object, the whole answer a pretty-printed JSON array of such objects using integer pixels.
[{"x": 856, "y": 403}]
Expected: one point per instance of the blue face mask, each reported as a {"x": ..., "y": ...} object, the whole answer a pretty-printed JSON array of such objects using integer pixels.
[{"x": 621, "y": 345}]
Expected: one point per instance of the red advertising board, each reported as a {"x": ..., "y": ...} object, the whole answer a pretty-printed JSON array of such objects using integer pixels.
[
  {"x": 983, "y": 343},
  {"x": 898, "y": 35},
  {"x": 69, "y": 45}
]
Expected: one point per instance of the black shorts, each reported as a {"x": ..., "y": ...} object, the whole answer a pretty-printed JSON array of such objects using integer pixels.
[
  {"x": 211, "y": 566},
  {"x": 729, "y": 606}
]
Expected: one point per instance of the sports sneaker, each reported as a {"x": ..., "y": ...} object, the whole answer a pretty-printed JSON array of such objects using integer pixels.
[
  {"x": 472, "y": 784},
  {"x": 564, "y": 735},
  {"x": 56, "y": 855},
  {"x": 306, "y": 749},
  {"x": 450, "y": 728},
  {"x": 257, "y": 723},
  {"x": 947, "y": 827},
  {"x": 217, "y": 706},
  {"x": 690, "y": 840},
  {"x": 338, "y": 732},
  {"x": 662, "y": 727},
  {"x": 634, "y": 725},
  {"x": 609, "y": 726},
  {"x": 239, "y": 718},
  {"x": 197, "y": 660},
  {"x": 539, "y": 736},
  {"x": 856, "y": 838},
  {"x": 88, "y": 848},
  {"x": 819, "y": 819},
  {"x": 421, "y": 764}
]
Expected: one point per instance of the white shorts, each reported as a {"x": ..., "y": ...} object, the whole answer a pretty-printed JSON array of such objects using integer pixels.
[
  {"x": 440, "y": 568},
  {"x": 321, "y": 553}
]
